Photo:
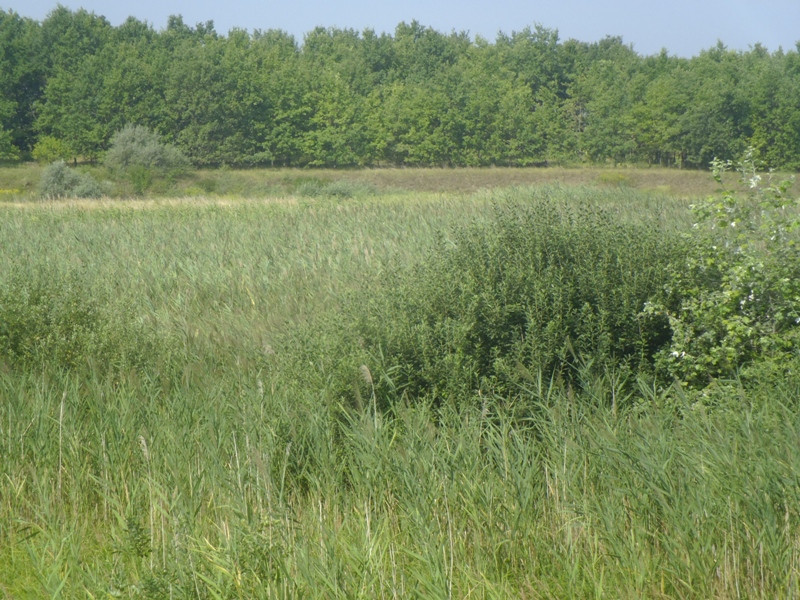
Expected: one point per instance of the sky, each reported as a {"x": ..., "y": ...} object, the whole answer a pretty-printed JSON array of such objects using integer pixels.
[{"x": 682, "y": 27}]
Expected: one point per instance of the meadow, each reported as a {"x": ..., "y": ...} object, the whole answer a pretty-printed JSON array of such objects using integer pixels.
[
  {"x": 379, "y": 384},
  {"x": 19, "y": 182}
]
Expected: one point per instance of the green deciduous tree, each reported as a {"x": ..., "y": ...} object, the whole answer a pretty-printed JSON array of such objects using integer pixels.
[
  {"x": 214, "y": 104},
  {"x": 70, "y": 108},
  {"x": 49, "y": 149},
  {"x": 606, "y": 92},
  {"x": 68, "y": 36},
  {"x": 21, "y": 81},
  {"x": 414, "y": 97},
  {"x": 70, "y": 105},
  {"x": 772, "y": 88},
  {"x": 713, "y": 121}
]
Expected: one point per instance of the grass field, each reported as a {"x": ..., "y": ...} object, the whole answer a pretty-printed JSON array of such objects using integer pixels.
[
  {"x": 19, "y": 182},
  {"x": 228, "y": 396}
]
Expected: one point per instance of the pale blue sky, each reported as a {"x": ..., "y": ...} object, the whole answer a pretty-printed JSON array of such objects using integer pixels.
[{"x": 683, "y": 27}]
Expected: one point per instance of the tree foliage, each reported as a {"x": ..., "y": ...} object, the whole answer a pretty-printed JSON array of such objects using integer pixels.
[{"x": 414, "y": 97}]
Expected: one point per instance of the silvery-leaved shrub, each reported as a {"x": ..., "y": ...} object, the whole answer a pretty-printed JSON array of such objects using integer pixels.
[
  {"x": 60, "y": 181},
  {"x": 138, "y": 153},
  {"x": 138, "y": 146}
]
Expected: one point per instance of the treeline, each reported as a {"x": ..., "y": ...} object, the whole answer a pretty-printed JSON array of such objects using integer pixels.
[{"x": 417, "y": 97}]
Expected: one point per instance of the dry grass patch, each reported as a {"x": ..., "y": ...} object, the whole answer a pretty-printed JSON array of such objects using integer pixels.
[
  {"x": 683, "y": 183},
  {"x": 209, "y": 184}
]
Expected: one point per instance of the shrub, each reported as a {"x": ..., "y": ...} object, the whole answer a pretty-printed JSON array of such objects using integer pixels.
[
  {"x": 138, "y": 146},
  {"x": 614, "y": 178},
  {"x": 52, "y": 319},
  {"x": 141, "y": 178},
  {"x": 208, "y": 185},
  {"x": 348, "y": 189},
  {"x": 544, "y": 288},
  {"x": 59, "y": 181},
  {"x": 50, "y": 149},
  {"x": 735, "y": 300},
  {"x": 309, "y": 188}
]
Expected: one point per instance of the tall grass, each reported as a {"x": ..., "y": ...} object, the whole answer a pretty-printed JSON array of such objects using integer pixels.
[{"x": 205, "y": 414}]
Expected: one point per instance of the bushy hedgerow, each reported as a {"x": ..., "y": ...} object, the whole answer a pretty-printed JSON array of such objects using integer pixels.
[{"x": 60, "y": 181}]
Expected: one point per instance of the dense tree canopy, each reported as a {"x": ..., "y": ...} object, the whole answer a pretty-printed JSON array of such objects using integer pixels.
[{"x": 418, "y": 97}]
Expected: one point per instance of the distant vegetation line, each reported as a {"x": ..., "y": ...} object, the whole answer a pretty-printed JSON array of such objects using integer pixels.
[{"x": 344, "y": 98}]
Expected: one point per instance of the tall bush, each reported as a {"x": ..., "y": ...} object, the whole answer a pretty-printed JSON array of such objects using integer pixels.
[
  {"x": 138, "y": 154},
  {"x": 56, "y": 320},
  {"x": 548, "y": 287},
  {"x": 735, "y": 300}
]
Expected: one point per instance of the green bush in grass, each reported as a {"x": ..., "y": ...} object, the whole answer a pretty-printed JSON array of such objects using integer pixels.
[
  {"x": 55, "y": 321},
  {"x": 341, "y": 189},
  {"x": 547, "y": 286},
  {"x": 734, "y": 302}
]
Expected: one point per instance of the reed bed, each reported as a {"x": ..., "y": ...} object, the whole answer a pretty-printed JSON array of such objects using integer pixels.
[{"x": 191, "y": 411}]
